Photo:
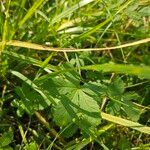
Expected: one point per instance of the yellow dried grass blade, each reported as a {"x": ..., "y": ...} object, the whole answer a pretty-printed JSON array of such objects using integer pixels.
[
  {"x": 125, "y": 122},
  {"x": 45, "y": 48}
]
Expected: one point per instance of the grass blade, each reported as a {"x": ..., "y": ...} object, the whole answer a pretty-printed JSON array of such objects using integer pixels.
[
  {"x": 141, "y": 72},
  {"x": 31, "y": 11},
  {"x": 29, "y": 60},
  {"x": 33, "y": 86},
  {"x": 70, "y": 11},
  {"x": 85, "y": 34},
  {"x": 125, "y": 122}
]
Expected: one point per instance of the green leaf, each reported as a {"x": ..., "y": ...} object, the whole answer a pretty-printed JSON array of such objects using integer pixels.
[
  {"x": 32, "y": 85},
  {"x": 87, "y": 106},
  {"x": 82, "y": 104},
  {"x": 113, "y": 107},
  {"x": 130, "y": 96},
  {"x": 145, "y": 11},
  {"x": 28, "y": 60},
  {"x": 6, "y": 148},
  {"x": 86, "y": 141},
  {"x": 131, "y": 109},
  {"x": 70, "y": 131},
  {"x": 77, "y": 115},
  {"x": 142, "y": 72},
  {"x": 61, "y": 116},
  {"x": 32, "y": 97},
  {"x": 116, "y": 87},
  {"x": 124, "y": 144},
  {"x": 31, "y": 146},
  {"x": 31, "y": 101},
  {"x": 6, "y": 138},
  {"x": 21, "y": 108},
  {"x": 75, "y": 102}
]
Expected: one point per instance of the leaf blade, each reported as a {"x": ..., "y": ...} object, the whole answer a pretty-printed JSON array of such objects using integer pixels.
[
  {"x": 125, "y": 122},
  {"x": 141, "y": 72}
]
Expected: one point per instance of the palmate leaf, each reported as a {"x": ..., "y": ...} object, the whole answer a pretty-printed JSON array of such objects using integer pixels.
[
  {"x": 124, "y": 102},
  {"x": 74, "y": 102},
  {"x": 121, "y": 100},
  {"x": 79, "y": 106}
]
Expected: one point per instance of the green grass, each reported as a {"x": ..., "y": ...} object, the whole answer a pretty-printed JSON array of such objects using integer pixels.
[{"x": 74, "y": 74}]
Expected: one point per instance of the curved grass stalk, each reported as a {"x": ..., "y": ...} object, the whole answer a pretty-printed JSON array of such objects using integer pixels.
[{"x": 46, "y": 48}]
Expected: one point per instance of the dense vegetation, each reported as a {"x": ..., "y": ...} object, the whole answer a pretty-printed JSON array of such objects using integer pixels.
[{"x": 74, "y": 74}]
